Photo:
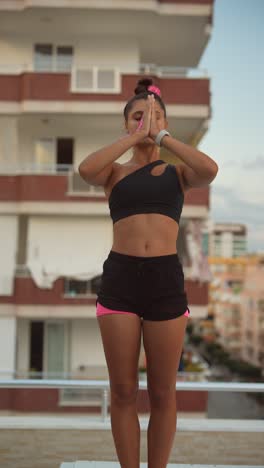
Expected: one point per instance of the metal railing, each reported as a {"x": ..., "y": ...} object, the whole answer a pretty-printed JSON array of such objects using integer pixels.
[
  {"x": 35, "y": 168},
  {"x": 104, "y": 386},
  {"x": 76, "y": 185},
  {"x": 124, "y": 68}
]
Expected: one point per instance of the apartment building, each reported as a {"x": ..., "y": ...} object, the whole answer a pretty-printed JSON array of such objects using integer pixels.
[
  {"x": 228, "y": 240},
  {"x": 225, "y": 293},
  {"x": 67, "y": 70},
  {"x": 236, "y": 306},
  {"x": 252, "y": 312}
]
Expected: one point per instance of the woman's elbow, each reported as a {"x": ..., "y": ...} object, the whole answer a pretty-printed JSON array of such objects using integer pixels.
[{"x": 213, "y": 173}]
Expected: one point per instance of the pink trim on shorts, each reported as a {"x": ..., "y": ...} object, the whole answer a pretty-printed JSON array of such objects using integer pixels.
[{"x": 101, "y": 310}]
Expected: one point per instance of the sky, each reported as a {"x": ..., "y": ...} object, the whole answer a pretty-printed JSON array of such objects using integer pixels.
[{"x": 234, "y": 61}]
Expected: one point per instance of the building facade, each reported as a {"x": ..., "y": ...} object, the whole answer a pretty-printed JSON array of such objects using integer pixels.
[
  {"x": 228, "y": 240},
  {"x": 237, "y": 306},
  {"x": 67, "y": 70}
]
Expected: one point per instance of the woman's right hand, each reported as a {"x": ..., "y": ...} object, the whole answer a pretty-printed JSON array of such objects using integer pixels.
[{"x": 143, "y": 128}]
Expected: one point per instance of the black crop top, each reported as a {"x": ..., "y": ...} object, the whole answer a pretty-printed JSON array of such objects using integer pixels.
[{"x": 142, "y": 192}]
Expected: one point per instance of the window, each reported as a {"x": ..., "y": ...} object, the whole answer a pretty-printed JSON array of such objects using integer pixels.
[
  {"x": 95, "y": 79},
  {"x": 43, "y": 57},
  {"x": 74, "y": 287},
  {"x": 54, "y": 155},
  {"x": 64, "y": 58},
  {"x": 48, "y": 57}
]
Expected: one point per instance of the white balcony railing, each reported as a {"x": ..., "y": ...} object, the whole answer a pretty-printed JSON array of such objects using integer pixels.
[
  {"x": 104, "y": 387},
  {"x": 124, "y": 68},
  {"x": 23, "y": 167}
]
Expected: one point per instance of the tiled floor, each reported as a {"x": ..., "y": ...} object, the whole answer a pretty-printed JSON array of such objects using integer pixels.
[
  {"x": 100, "y": 464},
  {"x": 77, "y": 440}
]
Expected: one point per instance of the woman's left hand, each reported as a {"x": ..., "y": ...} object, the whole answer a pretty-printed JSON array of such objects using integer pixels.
[{"x": 154, "y": 129}]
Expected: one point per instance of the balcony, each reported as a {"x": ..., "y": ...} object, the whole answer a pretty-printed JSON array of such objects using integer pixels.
[
  {"x": 59, "y": 183},
  {"x": 179, "y": 85},
  {"x": 187, "y": 24},
  {"x": 27, "y": 292}
]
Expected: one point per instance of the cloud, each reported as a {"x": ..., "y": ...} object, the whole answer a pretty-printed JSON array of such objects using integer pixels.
[
  {"x": 258, "y": 163},
  {"x": 228, "y": 206},
  {"x": 244, "y": 187},
  {"x": 227, "y": 203},
  {"x": 231, "y": 163}
]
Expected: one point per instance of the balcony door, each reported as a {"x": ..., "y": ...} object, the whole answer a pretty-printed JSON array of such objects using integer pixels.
[
  {"x": 45, "y": 155},
  {"x": 56, "y": 338}
]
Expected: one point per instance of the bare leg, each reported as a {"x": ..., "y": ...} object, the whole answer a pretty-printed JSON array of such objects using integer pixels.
[
  {"x": 121, "y": 336},
  {"x": 163, "y": 342}
]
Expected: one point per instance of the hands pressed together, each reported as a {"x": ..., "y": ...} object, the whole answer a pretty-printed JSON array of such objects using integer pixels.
[{"x": 148, "y": 126}]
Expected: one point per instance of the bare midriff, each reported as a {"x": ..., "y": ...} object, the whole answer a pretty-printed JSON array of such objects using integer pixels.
[{"x": 145, "y": 234}]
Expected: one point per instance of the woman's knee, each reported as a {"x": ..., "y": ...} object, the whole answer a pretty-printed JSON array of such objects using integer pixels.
[
  {"x": 161, "y": 397},
  {"x": 124, "y": 392}
]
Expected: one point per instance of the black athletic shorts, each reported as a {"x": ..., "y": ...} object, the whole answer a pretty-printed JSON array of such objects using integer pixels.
[{"x": 150, "y": 287}]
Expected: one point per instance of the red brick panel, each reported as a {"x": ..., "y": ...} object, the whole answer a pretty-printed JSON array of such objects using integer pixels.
[
  {"x": 27, "y": 292},
  {"x": 53, "y": 188},
  {"x": 56, "y": 87},
  {"x": 10, "y": 87},
  {"x": 8, "y": 188},
  {"x": 47, "y": 400}
]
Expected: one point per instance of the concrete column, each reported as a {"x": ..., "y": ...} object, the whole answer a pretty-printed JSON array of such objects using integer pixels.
[
  {"x": 7, "y": 346},
  {"x": 8, "y": 142}
]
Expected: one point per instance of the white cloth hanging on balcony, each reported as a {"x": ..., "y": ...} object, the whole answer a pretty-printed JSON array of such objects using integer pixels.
[
  {"x": 199, "y": 268},
  {"x": 45, "y": 274},
  {"x": 70, "y": 247}
]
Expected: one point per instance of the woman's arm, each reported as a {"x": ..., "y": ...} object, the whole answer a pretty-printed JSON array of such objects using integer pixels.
[
  {"x": 199, "y": 169},
  {"x": 97, "y": 161}
]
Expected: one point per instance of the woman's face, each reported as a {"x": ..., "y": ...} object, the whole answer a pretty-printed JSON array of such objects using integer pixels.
[{"x": 136, "y": 113}]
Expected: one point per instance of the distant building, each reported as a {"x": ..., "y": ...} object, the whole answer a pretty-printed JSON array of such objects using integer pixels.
[
  {"x": 227, "y": 240},
  {"x": 252, "y": 312},
  {"x": 225, "y": 296},
  {"x": 236, "y": 307}
]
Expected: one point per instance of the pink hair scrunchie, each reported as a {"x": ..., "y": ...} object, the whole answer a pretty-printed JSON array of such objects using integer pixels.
[{"x": 155, "y": 89}]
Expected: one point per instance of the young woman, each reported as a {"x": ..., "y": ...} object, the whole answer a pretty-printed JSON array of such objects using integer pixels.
[{"x": 142, "y": 288}]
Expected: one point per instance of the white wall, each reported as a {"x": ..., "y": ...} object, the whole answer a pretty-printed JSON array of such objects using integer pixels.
[
  {"x": 86, "y": 345},
  {"x": 8, "y": 141},
  {"x": 17, "y": 50},
  {"x": 8, "y": 250},
  {"x": 102, "y": 50}
]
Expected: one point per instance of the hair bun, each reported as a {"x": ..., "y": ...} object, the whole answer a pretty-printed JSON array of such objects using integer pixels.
[{"x": 142, "y": 85}]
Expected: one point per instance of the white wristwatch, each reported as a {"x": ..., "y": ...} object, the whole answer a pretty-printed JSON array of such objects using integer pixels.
[{"x": 160, "y": 135}]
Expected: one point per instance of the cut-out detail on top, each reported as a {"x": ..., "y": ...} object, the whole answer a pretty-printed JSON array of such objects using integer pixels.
[
  {"x": 134, "y": 172},
  {"x": 147, "y": 193}
]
